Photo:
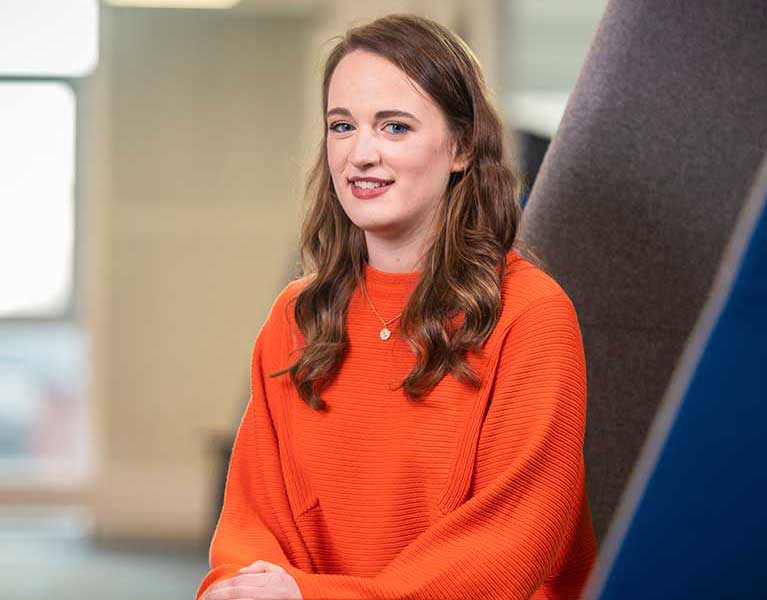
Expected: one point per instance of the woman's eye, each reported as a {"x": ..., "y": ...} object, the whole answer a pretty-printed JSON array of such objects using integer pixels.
[
  {"x": 399, "y": 127},
  {"x": 334, "y": 127},
  {"x": 340, "y": 127}
]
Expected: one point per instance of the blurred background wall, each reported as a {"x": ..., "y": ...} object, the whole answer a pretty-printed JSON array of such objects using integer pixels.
[
  {"x": 198, "y": 228},
  {"x": 194, "y": 130}
]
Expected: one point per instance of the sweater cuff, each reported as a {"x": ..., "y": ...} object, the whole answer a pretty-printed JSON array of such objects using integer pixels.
[
  {"x": 222, "y": 572},
  {"x": 307, "y": 583}
]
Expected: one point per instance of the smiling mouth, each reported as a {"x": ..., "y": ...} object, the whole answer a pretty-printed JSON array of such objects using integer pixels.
[{"x": 369, "y": 185}]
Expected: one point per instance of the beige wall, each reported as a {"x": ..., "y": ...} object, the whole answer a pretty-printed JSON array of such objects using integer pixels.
[
  {"x": 197, "y": 128},
  {"x": 196, "y": 235}
]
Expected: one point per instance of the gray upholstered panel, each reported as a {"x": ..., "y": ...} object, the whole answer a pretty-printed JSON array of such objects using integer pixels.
[{"x": 637, "y": 198}]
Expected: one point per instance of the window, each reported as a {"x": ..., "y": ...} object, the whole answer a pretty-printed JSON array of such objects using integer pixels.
[
  {"x": 44, "y": 439},
  {"x": 37, "y": 145},
  {"x": 48, "y": 38}
]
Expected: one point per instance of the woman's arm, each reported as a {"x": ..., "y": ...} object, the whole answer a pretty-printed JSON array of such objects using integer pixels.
[{"x": 256, "y": 520}]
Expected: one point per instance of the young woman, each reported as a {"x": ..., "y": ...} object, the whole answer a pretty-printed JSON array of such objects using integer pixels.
[{"x": 416, "y": 423}]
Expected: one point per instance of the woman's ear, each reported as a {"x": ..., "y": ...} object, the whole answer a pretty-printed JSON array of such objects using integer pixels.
[
  {"x": 461, "y": 159},
  {"x": 460, "y": 163}
]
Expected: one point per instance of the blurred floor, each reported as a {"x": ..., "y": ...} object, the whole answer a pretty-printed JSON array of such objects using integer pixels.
[{"x": 44, "y": 556}]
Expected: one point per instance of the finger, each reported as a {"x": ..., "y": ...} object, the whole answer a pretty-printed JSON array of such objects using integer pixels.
[
  {"x": 235, "y": 592},
  {"x": 262, "y": 566},
  {"x": 247, "y": 580}
]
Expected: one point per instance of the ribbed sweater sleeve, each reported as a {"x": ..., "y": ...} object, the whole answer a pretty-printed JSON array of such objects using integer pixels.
[
  {"x": 256, "y": 521},
  {"x": 503, "y": 542}
]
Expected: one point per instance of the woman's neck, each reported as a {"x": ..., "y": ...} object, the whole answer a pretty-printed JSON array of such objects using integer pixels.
[{"x": 395, "y": 257}]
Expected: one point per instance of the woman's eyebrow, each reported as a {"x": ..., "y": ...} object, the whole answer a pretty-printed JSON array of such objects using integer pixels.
[{"x": 381, "y": 114}]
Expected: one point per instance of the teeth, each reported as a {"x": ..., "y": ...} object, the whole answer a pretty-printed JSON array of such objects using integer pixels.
[{"x": 367, "y": 185}]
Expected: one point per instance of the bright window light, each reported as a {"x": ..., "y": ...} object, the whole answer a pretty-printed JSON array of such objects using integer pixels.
[
  {"x": 48, "y": 38},
  {"x": 37, "y": 151}
]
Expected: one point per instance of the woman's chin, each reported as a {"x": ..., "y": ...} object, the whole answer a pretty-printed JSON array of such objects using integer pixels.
[
  {"x": 373, "y": 221},
  {"x": 381, "y": 229}
]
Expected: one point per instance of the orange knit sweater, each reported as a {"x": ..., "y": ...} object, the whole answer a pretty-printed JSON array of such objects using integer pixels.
[{"x": 466, "y": 494}]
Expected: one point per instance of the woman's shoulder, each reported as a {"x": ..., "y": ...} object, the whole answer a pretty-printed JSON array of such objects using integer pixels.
[
  {"x": 279, "y": 323},
  {"x": 292, "y": 289},
  {"x": 527, "y": 285},
  {"x": 280, "y": 311}
]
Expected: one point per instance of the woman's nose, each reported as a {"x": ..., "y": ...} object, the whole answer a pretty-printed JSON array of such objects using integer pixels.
[{"x": 364, "y": 149}]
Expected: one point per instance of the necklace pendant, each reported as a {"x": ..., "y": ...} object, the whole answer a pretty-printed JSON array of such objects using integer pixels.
[{"x": 385, "y": 333}]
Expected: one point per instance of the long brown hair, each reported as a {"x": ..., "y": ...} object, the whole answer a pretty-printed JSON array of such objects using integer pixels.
[{"x": 476, "y": 223}]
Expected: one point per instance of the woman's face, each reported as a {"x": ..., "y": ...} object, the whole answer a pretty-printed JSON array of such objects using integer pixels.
[{"x": 382, "y": 125}]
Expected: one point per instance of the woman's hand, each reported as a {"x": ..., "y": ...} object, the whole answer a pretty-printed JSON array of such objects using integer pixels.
[{"x": 260, "y": 580}]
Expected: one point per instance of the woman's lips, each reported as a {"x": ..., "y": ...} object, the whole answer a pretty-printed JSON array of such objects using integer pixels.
[{"x": 364, "y": 194}]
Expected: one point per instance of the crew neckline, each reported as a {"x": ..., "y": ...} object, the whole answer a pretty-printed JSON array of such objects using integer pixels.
[
  {"x": 376, "y": 277},
  {"x": 407, "y": 280}
]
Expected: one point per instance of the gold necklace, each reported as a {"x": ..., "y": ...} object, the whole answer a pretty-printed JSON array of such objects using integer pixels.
[{"x": 385, "y": 333}]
